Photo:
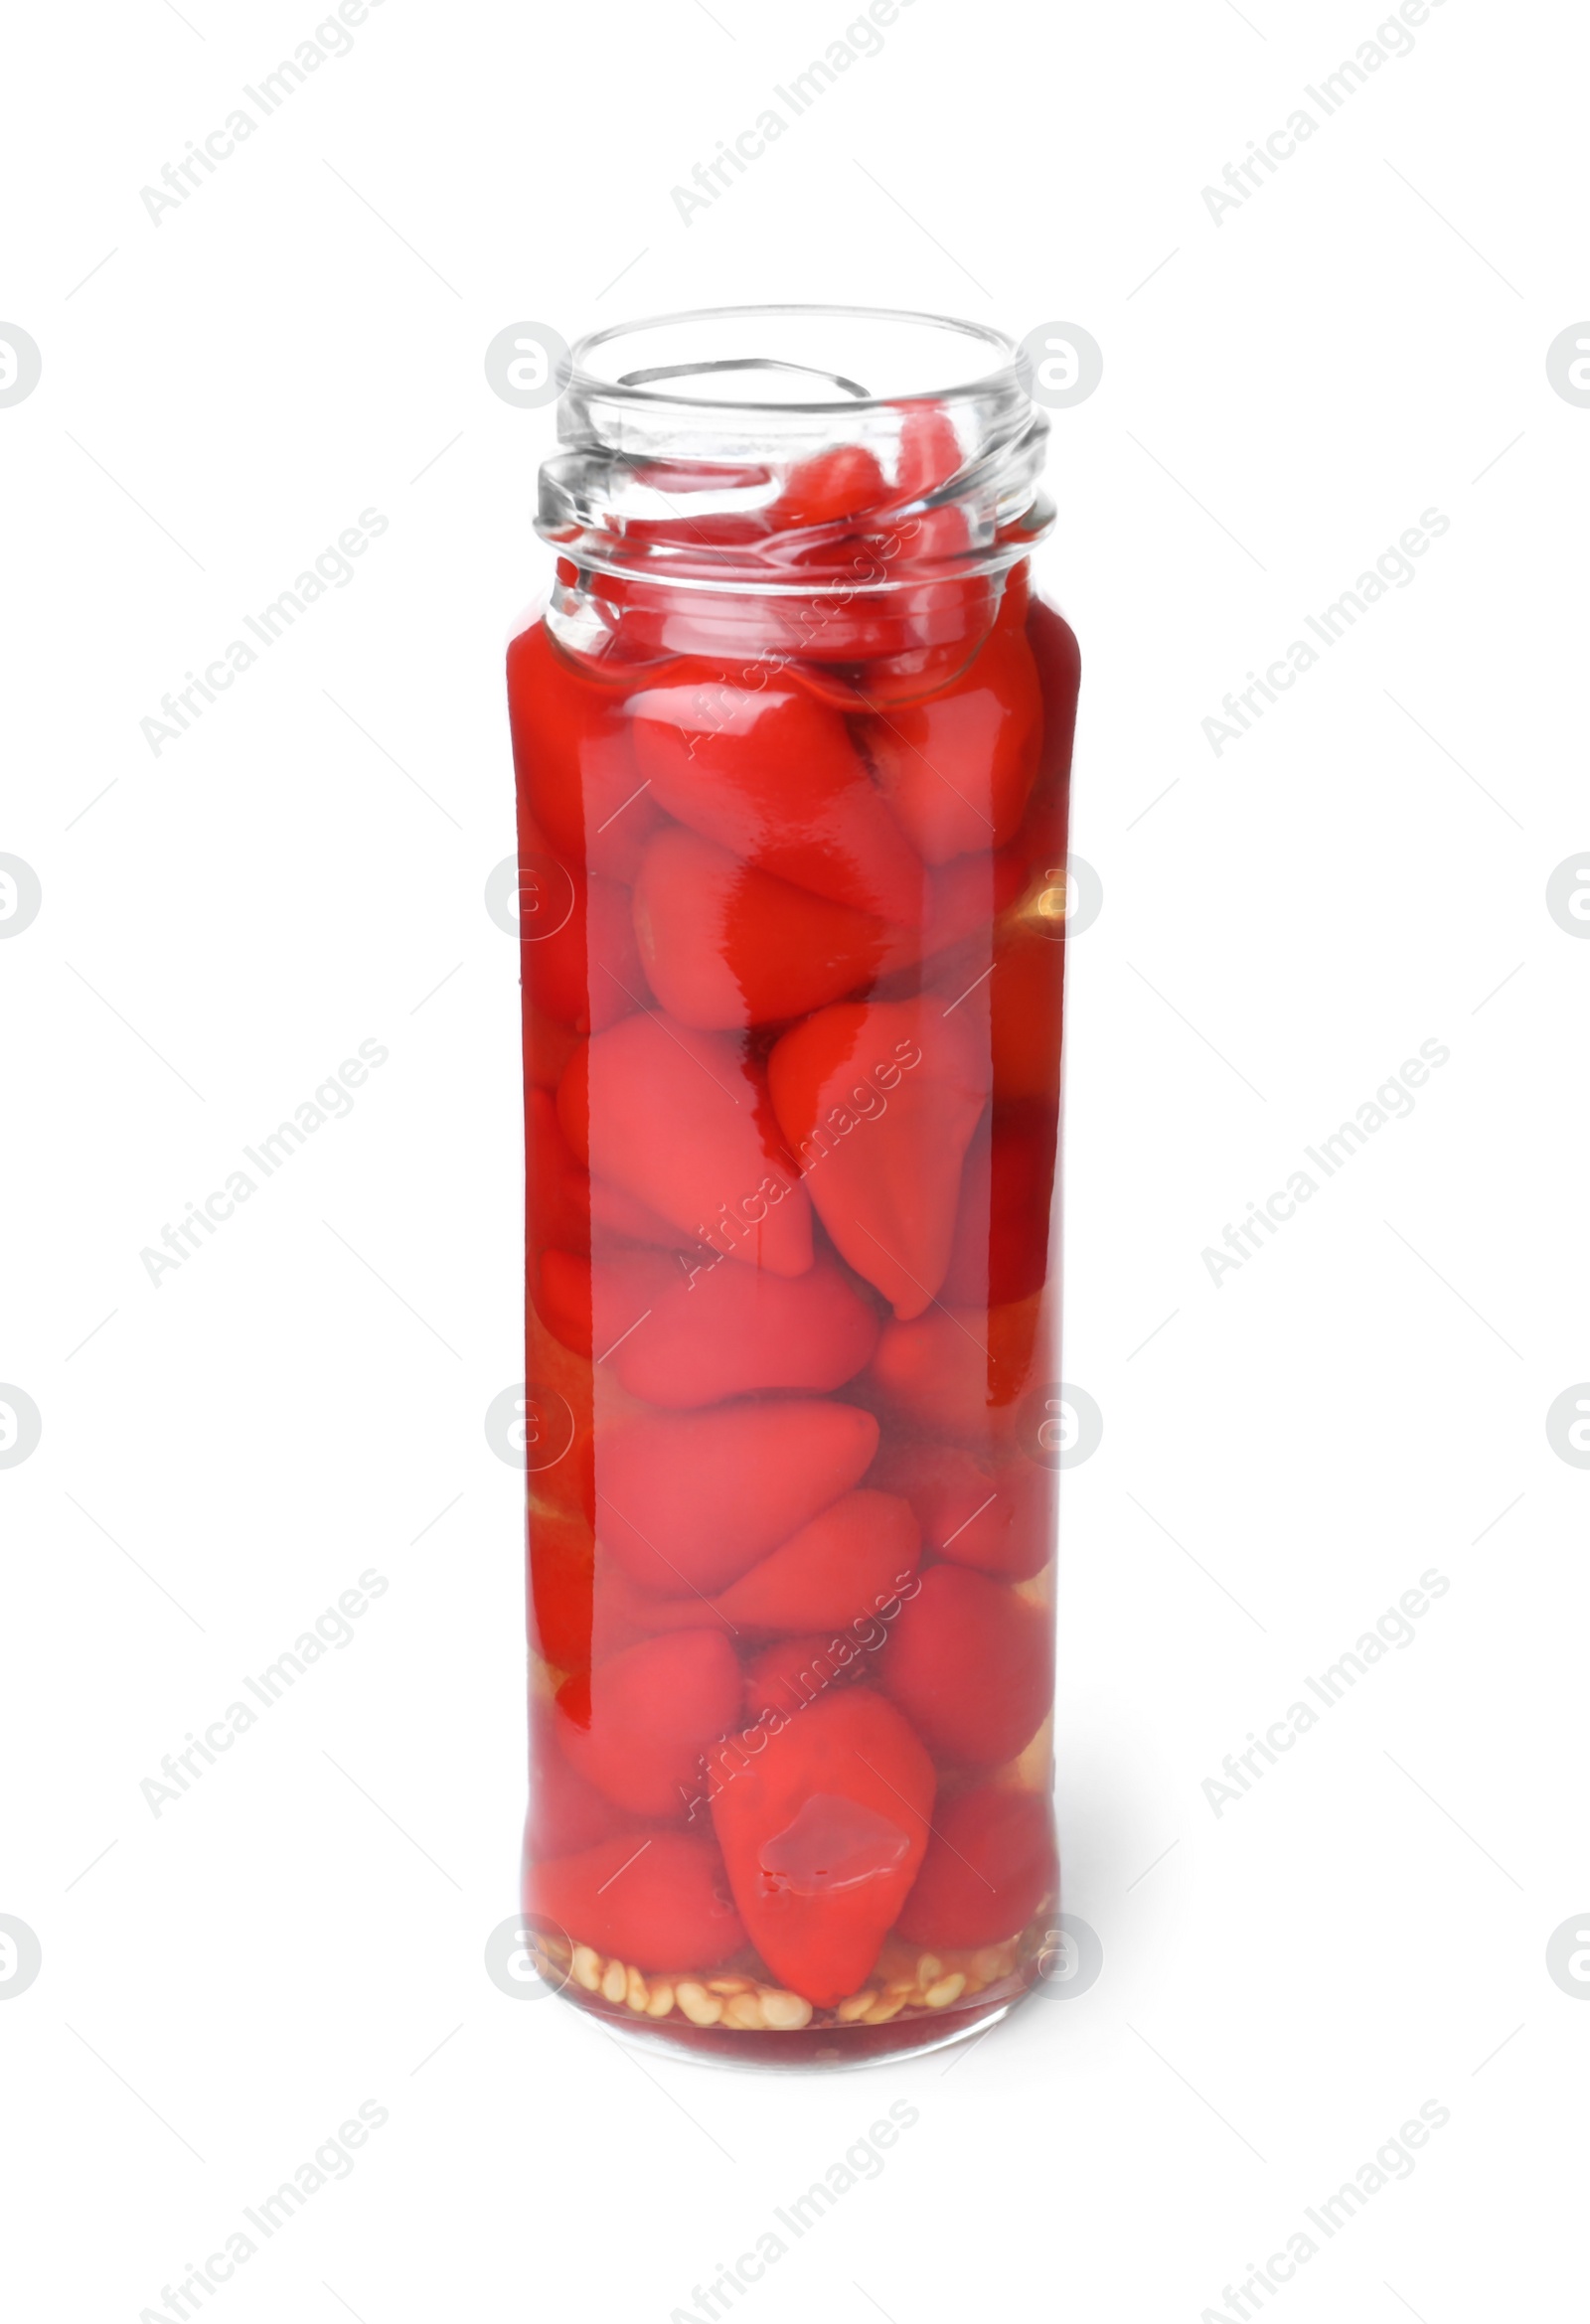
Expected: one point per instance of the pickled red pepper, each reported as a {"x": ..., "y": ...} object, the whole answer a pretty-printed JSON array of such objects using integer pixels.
[{"x": 792, "y": 744}]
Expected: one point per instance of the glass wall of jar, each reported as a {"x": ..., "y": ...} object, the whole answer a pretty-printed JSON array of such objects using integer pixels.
[{"x": 792, "y": 740}]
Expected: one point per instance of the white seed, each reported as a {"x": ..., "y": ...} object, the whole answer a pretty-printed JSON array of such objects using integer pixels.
[
  {"x": 699, "y": 2006},
  {"x": 947, "y": 1989},
  {"x": 745, "y": 2012},
  {"x": 787, "y": 2011},
  {"x": 635, "y": 1992},
  {"x": 588, "y": 1966},
  {"x": 929, "y": 1970},
  {"x": 882, "y": 2011},
  {"x": 854, "y": 2006},
  {"x": 994, "y": 1962},
  {"x": 660, "y": 2002},
  {"x": 727, "y": 1985},
  {"x": 615, "y": 1981}
]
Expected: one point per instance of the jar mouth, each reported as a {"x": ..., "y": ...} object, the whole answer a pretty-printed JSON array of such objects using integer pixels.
[
  {"x": 683, "y": 432},
  {"x": 906, "y": 343}
]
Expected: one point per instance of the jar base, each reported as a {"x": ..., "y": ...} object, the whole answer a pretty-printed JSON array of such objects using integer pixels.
[{"x": 814, "y": 2048}]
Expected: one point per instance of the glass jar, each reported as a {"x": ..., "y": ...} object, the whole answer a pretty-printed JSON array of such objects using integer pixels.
[{"x": 792, "y": 743}]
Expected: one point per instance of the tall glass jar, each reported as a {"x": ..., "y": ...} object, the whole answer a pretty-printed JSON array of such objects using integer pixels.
[{"x": 792, "y": 741}]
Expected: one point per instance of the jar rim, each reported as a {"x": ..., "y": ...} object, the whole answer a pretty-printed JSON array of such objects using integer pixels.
[
  {"x": 637, "y": 444},
  {"x": 1004, "y": 380}
]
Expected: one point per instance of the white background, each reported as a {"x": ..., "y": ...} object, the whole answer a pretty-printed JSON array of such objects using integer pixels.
[{"x": 1284, "y": 392}]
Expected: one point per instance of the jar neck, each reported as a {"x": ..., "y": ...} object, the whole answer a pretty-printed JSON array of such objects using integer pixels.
[
  {"x": 812, "y": 484},
  {"x": 859, "y": 652},
  {"x": 704, "y": 527}
]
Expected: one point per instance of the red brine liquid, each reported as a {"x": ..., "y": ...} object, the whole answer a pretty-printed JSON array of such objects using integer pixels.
[{"x": 792, "y": 916}]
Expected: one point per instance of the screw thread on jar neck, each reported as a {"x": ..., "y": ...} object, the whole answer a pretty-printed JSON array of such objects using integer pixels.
[{"x": 802, "y": 451}]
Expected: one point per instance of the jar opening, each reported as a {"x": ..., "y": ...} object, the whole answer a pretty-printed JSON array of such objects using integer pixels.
[
  {"x": 780, "y": 358},
  {"x": 774, "y": 448}
]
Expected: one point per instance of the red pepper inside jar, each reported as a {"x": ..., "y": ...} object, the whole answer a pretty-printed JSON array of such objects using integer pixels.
[{"x": 792, "y": 743}]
